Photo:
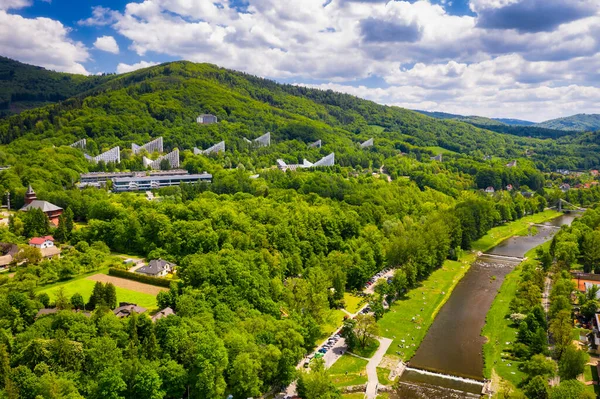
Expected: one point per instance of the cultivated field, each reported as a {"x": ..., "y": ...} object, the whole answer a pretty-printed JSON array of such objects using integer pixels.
[
  {"x": 85, "y": 286},
  {"x": 128, "y": 284}
]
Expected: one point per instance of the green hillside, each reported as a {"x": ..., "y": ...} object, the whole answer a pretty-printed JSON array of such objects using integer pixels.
[
  {"x": 25, "y": 86},
  {"x": 164, "y": 100},
  {"x": 578, "y": 123}
]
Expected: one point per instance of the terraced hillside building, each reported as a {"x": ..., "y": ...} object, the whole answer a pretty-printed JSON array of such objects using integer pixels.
[
  {"x": 152, "y": 182},
  {"x": 262, "y": 141},
  {"x": 155, "y": 145},
  {"x": 366, "y": 144},
  {"x": 112, "y": 155},
  {"x": 219, "y": 147},
  {"x": 172, "y": 157},
  {"x": 316, "y": 144},
  {"x": 328, "y": 160},
  {"x": 206, "y": 119},
  {"x": 81, "y": 144}
]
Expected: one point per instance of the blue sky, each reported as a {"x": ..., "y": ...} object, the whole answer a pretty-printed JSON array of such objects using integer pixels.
[{"x": 528, "y": 59}]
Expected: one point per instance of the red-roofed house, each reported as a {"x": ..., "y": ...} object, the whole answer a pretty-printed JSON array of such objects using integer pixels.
[{"x": 42, "y": 242}]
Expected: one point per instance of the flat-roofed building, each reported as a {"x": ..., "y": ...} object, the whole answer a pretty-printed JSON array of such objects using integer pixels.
[
  {"x": 206, "y": 119},
  {"x": 151, "y": 182}
]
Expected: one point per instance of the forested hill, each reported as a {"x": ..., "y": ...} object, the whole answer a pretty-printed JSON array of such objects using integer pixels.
[
  {"x": 165, "y": 100},
  {"x": 578, "y": 123},
  {"x": 25, "y": 86}
]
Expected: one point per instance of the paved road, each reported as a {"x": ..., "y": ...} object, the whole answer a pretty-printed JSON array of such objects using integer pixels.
[
  {"x": 373, "y": 383},
  {"x": 371, "y": 289}
]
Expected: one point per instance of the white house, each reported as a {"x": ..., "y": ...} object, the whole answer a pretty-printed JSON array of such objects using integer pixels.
[
  {"x": 157, "y": 268},
  {"x": 42, "y": 242}
]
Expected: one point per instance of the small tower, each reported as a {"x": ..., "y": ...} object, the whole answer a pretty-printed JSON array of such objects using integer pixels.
[{"x": 30, "y": 195}]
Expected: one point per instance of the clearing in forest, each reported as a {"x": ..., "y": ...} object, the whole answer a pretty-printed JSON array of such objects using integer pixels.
[{"x": 128, "y": 284}]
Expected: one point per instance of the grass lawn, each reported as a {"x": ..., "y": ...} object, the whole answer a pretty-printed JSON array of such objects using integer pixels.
[
  {"x": 377, "y": 129},
  {"x": 348, "y": 370},
  {"x": 335, "y": 318},
  {"x": 440, "y": 150},
  {"x": 499, "y": 329},
  {"x": 591, "y": 374},
  {"x": 369, "y": 349},
  {"x": 356, "y": 395},
  {"x": 409, "y": 318},
  {"x": 382, "y": 376},
  {"x": 352, "y": 302},
  {"x": 85, "y": 287}
]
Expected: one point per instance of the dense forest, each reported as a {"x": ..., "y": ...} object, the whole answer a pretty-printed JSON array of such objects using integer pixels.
[{"x": 261, "y": 261}]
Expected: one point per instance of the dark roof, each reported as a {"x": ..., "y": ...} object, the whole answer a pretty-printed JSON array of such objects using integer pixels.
[
  {"x": 8, "y": 248},
  {"x": 45, "y": 206},
  {"x": 155, "y": 266},
  {"x": 127, "y": 310},
  {"x": 163, "y": 313}
]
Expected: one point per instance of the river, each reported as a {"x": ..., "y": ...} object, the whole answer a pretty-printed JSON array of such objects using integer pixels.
[{"x": 453, "y": 344}]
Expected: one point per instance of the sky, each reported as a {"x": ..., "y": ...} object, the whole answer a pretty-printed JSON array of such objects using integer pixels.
[{"x": 526, "y": 59}]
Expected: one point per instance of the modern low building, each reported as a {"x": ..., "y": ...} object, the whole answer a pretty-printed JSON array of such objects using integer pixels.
[
  {"x": 157, "y": 268},
  {"x": 152, "y": 182},
  {"x": 99, "y": 179}
]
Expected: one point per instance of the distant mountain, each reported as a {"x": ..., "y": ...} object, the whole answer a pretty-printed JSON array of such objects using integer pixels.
[
  {"x": 514, "y": 122},
  {"x": 472, "y": 119},
  {"x": 575, "y": 123},
  {"x": 25, "y": 86}
]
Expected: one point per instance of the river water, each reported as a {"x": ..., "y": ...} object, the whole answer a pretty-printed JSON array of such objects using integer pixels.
[{"x": 449, "y": 361}]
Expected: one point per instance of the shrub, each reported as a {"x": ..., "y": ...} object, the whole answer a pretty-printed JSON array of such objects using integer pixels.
[{"x": 139, "y": 277}]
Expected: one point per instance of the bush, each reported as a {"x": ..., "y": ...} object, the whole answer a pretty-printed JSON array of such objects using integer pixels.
[{"x": 139, "y": 277}]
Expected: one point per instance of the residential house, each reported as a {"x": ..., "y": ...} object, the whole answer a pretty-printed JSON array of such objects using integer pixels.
[
  {"x": 126, "y": 309},
  {"x": 509, "y": 187},
  {"x": 166, "y": 312},
  {"x": 46, "y": 246},
  {"x": 157, "y": 268},
  {"x": 565, "y": 187},
  {"x": 490, "y": 190},
  {"x": 9, "y": 252}
]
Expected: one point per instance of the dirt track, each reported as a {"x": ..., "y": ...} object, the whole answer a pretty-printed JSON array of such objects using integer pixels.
[{"x": 128, "y": 284}]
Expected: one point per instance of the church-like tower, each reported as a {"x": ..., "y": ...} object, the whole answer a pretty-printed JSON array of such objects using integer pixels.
[{"x": 30, "y": 195}]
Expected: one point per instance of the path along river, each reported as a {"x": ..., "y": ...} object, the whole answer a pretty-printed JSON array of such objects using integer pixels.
[{"x": 453, "y": 345}]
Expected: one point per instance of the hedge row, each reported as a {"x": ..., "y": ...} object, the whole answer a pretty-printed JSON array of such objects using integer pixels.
[{"x": 161, "y": 282}]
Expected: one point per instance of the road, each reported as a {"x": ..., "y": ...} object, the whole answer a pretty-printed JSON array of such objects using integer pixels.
[
  {"x": 332, "y": 355},
  {"x": 373, "y": 383}
]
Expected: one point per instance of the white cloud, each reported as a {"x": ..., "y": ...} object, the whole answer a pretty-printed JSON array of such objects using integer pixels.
[
  {"x": 107, "y": 43},
  {"x": 124, "y": 68},
  {"x": 41, "y": 41},
  {"x": 8, "y": 4},
  {"x": 435, "y": 58},
  {"x": 101, "y": 16}
]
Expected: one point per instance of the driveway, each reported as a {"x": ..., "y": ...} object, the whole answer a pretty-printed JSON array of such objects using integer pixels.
[{"x": 373, "y": 383}]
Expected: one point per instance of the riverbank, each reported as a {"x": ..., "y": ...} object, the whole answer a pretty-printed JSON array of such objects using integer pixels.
[
  {"x": 501, "y": 333},
  {"x": 409, "y": 319}
]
